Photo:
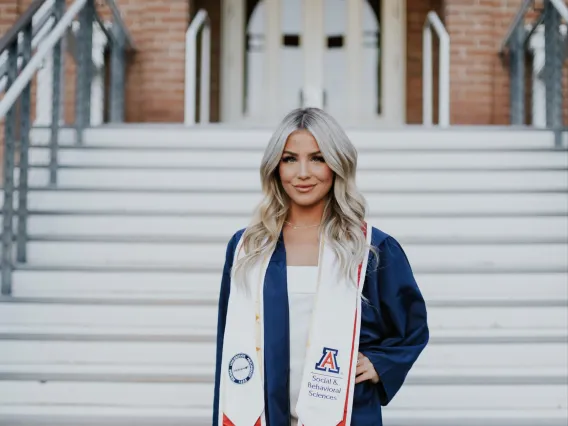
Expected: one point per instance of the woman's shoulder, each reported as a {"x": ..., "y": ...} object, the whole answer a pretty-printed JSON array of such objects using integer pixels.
[
  {"x": 379, "y": 237},
  {"x": 236, "y": 237}
]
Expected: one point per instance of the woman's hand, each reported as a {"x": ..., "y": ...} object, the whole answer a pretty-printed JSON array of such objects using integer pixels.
[{"x": 365, "y": 370}]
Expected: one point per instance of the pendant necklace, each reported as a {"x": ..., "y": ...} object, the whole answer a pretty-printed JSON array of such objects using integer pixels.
[{"x": 301, "y": 226}]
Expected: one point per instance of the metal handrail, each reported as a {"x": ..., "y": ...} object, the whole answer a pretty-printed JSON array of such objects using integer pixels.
[
  {"x": 19, "y": 90},
  {"x": 200, "y": 21},
  {"x": 432, "y": 20},
  {"x": 43, "y": 50},
  {"x": 521, "y": 13},
  {"x": 37, "y": 27},
  {"x": 561, "y": 8},
  {"x": 120, "y": 22},
  {"x": 38, "y": 32},
  {"x": 514, "y": 25},
  {"x": 24, "y": 20},
  {"x": 549, "y": 54}
]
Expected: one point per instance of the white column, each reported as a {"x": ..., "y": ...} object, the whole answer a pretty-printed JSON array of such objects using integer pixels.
[
  {"x": 538, "y": 107},
  {"x": 232, "y": 61},
  {"x": 313, "y": 43},
  {"x": 393, "y": 61},
  {"x": 354, "y": 48},
  {"x": 98, "y": 83},
  {"x": 44, "y": 93},
  {"x": 44, "y": 81},
  {"x": 272, "y": 44}
]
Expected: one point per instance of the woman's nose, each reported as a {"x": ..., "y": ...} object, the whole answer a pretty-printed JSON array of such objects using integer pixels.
[{"x": 304, "y": 169}]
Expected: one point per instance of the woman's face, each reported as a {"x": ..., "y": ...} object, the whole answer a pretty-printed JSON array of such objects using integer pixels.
[{"x": 305, "y": 176}]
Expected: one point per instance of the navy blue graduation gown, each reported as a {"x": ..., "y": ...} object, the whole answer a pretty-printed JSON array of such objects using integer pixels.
[{"x": 394, "y": 330}]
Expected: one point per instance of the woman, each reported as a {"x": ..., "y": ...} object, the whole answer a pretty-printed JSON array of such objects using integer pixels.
[{"x": 320, "y": 318}]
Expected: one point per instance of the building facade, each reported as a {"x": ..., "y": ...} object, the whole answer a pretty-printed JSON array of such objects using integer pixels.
[{"x": 359, "y": 59}]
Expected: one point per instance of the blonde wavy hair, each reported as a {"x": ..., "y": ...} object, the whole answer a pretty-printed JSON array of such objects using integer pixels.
[{"x": 345, "y": 206}]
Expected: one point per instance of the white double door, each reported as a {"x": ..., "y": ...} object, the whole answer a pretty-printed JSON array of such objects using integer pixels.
[{"x": 331, "y": 54}]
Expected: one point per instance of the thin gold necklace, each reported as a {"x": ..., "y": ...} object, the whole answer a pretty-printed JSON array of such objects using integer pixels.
[{"x": 302, "y": 226}]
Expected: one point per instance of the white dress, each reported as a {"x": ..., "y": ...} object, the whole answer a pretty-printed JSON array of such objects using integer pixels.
[{"x": 302, "y": 282}]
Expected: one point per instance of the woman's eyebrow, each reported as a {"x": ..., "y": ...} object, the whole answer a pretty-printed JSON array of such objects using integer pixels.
[{"x": 293, "y": 153}]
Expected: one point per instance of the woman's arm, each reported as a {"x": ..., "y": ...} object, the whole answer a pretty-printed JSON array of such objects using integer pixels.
[
  {"x": 402, "y": 330},
  {"x": 222, "y": 316}
]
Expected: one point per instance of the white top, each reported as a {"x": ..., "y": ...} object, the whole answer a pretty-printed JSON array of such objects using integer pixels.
[{"x": 302, "y": 282}]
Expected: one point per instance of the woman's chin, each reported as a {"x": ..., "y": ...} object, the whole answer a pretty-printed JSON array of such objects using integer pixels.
[{"x": 306, "y": 201}]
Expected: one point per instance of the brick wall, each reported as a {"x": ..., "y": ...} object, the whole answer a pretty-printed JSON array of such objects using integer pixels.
[
  {"x": 479, "y": 82},
  {"x": 479, "y": 78},
  {"x": 155, "y": 75}
]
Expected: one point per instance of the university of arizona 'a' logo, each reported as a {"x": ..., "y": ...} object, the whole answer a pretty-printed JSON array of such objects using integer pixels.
[{"x": 328, "y": 361}]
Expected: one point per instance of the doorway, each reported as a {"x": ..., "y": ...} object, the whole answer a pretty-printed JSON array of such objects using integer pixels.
[{"x": 346, "y": 56}]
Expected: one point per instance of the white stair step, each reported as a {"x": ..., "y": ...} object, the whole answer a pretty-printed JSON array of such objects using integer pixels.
[
  {"x": 201, "y": 334},
  {"x": 423, "y": 257},
  {"x": 532, "y": 229},
  {"x": 524, "y": 356},
  {"x": 205, "y": 373},
  {"x": 87, "y": 316},
  {"x": 228, "y": 203},
  {"x": 208, "y": 180},
  {"x": 50, "y": 315},
  {"x": 83, "y": 156},
  {"x": 182, "y": 395},
  {"x": 449, "y": 288},
  {"x": 87, "y": 415},
  {"x": 494, "y": 355},
  {"x": 230, "y": 137}
]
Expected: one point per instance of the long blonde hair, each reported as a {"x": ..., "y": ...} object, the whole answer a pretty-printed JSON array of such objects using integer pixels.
[{"x": 345, "y": 206}]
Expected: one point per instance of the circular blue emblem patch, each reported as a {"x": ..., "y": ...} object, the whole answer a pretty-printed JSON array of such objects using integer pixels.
[{"x": 241, "y": 368}]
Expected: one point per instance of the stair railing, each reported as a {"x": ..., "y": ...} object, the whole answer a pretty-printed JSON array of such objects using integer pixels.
[
  {"x": 199, "y": 22},
  {"x": 545, "y": 39},
  {"x": 22, "y": 63},
  {"x": 433, "y": 21},
  {"x": 42, "y": 22}
]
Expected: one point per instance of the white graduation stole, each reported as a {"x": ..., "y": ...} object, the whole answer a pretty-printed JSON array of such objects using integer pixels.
[{"x": 328, "y": 381}]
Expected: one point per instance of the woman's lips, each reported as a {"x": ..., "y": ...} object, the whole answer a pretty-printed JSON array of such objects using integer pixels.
[{"x": 304, "y": 188}]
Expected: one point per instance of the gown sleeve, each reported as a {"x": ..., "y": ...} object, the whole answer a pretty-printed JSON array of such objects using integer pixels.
[
  {"x": 222, "y": 316},
  {"x": 401, "y": 330}
]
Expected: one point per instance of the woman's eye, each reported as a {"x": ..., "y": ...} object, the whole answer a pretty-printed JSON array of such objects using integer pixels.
[
  {"x": 288, "y": 159},
  {"x": 319, "y": 159}
]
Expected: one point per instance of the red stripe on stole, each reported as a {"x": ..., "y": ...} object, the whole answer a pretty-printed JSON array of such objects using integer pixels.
[
  {"x": 227, "y": 422},
  {"x": 346, "y": 408}
]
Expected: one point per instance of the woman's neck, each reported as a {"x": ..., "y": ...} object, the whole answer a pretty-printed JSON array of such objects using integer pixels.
[{"x": 305, "y": 216}]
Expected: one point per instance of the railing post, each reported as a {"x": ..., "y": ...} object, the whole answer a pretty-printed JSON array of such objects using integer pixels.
[
  {"x": 553, "y": 66},
  {"x": 8, "y": 207},
  {"x": 432, "y": 20},
  {"x": 58, "y": 10},
  {"x": 117, "y": 76},
  {"x": 427, "y": 92},
  {"x": 517, "y": 70},
  {"x": 84, "y": 69},
  {"x": 25, "y": 117},
  {"x": 205, "y": 74},
  {"x": 200, "y": 20}
]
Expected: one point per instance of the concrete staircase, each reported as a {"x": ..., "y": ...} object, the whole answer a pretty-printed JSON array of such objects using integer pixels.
[{"x": 112, "y": 320}]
